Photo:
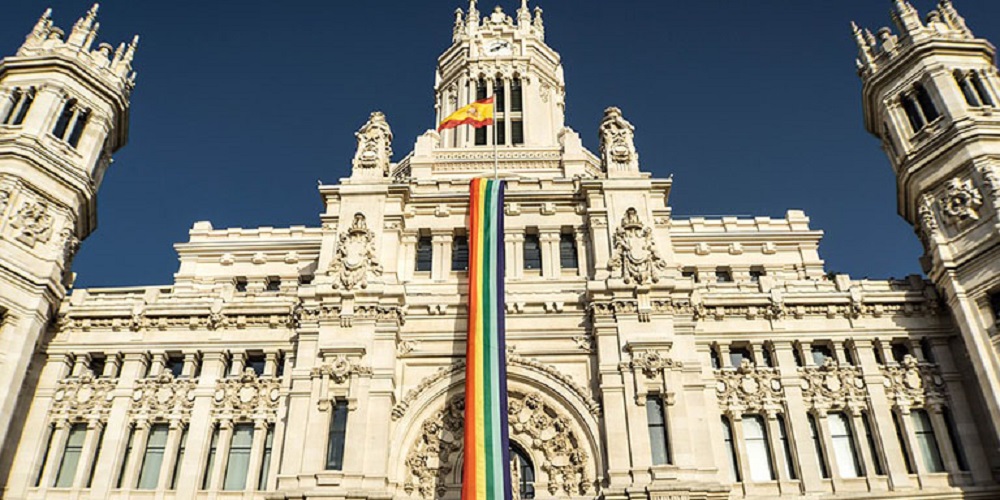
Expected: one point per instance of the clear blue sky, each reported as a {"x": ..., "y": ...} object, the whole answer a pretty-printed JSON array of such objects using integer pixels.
[{"x": 241, "y": 106}]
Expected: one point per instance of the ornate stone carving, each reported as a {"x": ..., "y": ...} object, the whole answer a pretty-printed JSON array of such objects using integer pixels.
[
  {"x": 652, "y": 363},
  {"x": 339, "y": 368},
  {"x": 617, "y": 145},
  {"x": 247, "y": 397},
  {"x": 749, "y": 388},
  {"x": 961, "y": 200},
  {"x": 163, "y": 396},
  {"x": 70, "y": 244},
  {"x": 356, "y": 258},
  {"x": 83, "y": 397},
  {"x": 635, "y": 256},
  {"x": 541, "y": 428},
  {"x": 374, "y": 148},
  {"x": 914, "y": 384},
  {"x": 833, "y": 387},
  {"x": 33, "y": 222},
  {"x": 4, "y": 200}
]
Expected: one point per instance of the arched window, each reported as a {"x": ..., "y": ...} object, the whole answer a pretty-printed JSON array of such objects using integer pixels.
[{"x": 525, "y": 471}]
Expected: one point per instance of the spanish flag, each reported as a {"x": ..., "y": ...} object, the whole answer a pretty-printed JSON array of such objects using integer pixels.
[{"x": 478, "y": 114}]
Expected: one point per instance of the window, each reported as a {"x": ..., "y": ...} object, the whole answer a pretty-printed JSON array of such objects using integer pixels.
[
  {"x": 273, "y": 284},
  {"x": 175, "y": 365},
  {"x": 498, "y": 90},
  {"x": 927, "y": 350},
  {"x": 877, "y": 348},
  {"x": 567, "y": 252},
  {"x": 797, "y": 355},
  {"x": 758, "y": 449},
  {"x": 995, "y": 306},
  {"x": 71, "y": 456},
  {"x": 206, "y": 478},
  {"x": 241, "y": 284},
  {"x": 69, "y": 109},
  {"x": 516, "y": 132},
  {"x": 820, "y": 353},
  {"x": 45, "y": 456},
  {"x": 257, "y": 363},
  {"x": 480, "y": 95},
  {"x": 656, "y": 421},
  {"x": 755, "y": 274},
  {"x": 966, "y": 86},
  {"x": 72, "y": 120},
  {"x": 77, "y": 131},
  {"x": 723, "y": 275},
  {"x": 786, "y": 448},
  {"x": 239, "y": 458},
  {"x": 765, "y": 353},
  {"x": 818, "y": 446},
  {"x": 306, "y": 279},
  {"x": 713, "y": 354},
  {"x": 97, "y": 456},
  {"x": 926, "y": 441},
  {"x": 481, "y": 135},
  {"x": 903, "y": 445},
  {"x": 501, "y": 136},
  {"x": 516, "y": 96},
  {"x": 280, "y": 368},
  {"x": 460, "y": 253},
  {"x": 926, "y": 103},
  {"x": 872, "y": 447},
  {"x": 981, "y": 91},
  {"x": 842, "y": 437},
  {"x": 525, "y": 472},
  {"x": 181, "y": 448},
  {"x": 738, "y": 354},
  {"x": 265, "y": 464},
  {"x": 734, "y": 464},
  {"x": 96, "y": 365},
  {"x": 21, "y": 101},
  {"x": 956, "y": 442},
  {"x": 126, "y": 458},
  {"x": 152, "y": 461},
  {"x": 532, "y": 252},
  {"x": 849, "y": 354},
  {"x": 690, "y": 272},
  {"x": 337, "y": 438},
  {"x": 912, "y": 113},
  {"x": 899, "y": 352},
  {"x": 425, "y": 254}
]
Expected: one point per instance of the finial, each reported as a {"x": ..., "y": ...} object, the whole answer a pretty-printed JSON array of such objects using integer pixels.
[
  {"x": 864, "y": 50},
  {"x": 906, "y": 17}
]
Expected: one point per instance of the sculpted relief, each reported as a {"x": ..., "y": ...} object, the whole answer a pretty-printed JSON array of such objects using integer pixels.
[
  {"x": 635, "y": 257},
  {"x": 33, "y": 223},
  {"x": 617, "y": 143},
  {"x": 356, "y": 259},
  {"x": 961, "y": 200},
  {"x": 374, "y": 148}
]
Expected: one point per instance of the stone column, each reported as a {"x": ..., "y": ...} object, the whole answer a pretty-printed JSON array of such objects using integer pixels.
[
  {"x": 7, "y": 103},
  {"x": 170, "y": 455},
  {"x": 612, "y": 388},
  {"x": 256, "y": 454},
  {"x": 201, "y": 427},
  {"x": 117, "y": 431},
  {"x": 87, "y": 454},
  {"x": 271, "y": 364},
  {"x": 823, "y": 431},
  {"x": 238, "y": 363},
  {"x": 943, "y": 438},
  {"x": 880, "y": 416},
  {"x": 58, "y": 444},
  {"x": 190, "y": 364},
  {"x": 112, "y": 365},
  {"x": 799, "y": 432},
  {"x": 861, "y": 444},
  {"x": 742, "y": 460},
  {"x": 582, "y": 256},
  {"x": 221, "y": 455},
  {"x": 130, "y": 474},
  {"x": 407, "y": 257},
  {"x": 777, "y": 449},
  {"x": 81, "y": 365},
  {"x": 516, "y": 255}
]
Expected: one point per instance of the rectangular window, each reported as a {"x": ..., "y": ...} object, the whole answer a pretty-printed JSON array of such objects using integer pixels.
[
  {"x": 723, "y": 275},
  {"x": 239, "y": 458},
  {"x": 273, "y": 284},
  {"x": 152, "y": 461},
  {"x": 758, "y": 449},
  {"x": 737, "y": 355},
  {"x": 984, "y": 94},
  {"x": 956, "y": 442},
  {"x": 97, "y": 365},
  {"x": 786, "y": 448},
  {"x": 516, "y": 96},
  {"x": 690, "y": 272},
  {"x": 516, "y": 132},
  {"x": 64, "y": 117},
  {"x": 765, "y": 353},
  {"x": 181, "y": 448},
  {"x": 175, "y": 365},
  {"x": 818, "y": 446},
  {"x": 912, "y": 113},
  {"x": 967, "y": 91},
  {"x": 926, "y": 442},
  {"x": 425, "y": 254},
  {"x": 125, "y": 459},
  {"x": 926, "y": 104},
  {"x": 498, "y": 91},
  {"x": 78, "y": 126},
  {"x": 337, "y": 438},
  {"x": 656, "y": 421},
  {"x": 713, "y": 354},
  {"x": 71, "y": 456},
  {"x": 568, "y": 258},
  {"x": 241, "y": 284},
  {"x": 842, "y": 437},
  {"x": 257, "y": 362},
  {"x": 265, "y": 464},
  {"x": 872, "y": 447},
  {"x": 206, "y": 478},
  {"x": 821, "y": 353},
  {"x": 501, "y": 132},
  {"x": 727, "y": 435},
  {"x": 532, "y": 252},
  {"x": 481, "y": 136},
  {"x": 903, "y": 445},
  {"x": 25, "y": 105},
  {"x": 460, "y": 253},
  {"x": 899, "y": 352},
  {"x": 755, "y": 274}
]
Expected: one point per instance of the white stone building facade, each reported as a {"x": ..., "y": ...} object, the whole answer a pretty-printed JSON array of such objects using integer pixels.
[{"x": 648, "y": 356}]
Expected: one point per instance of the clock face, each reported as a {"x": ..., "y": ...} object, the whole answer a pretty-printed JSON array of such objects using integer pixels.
[{"x": 497, "y": 48}]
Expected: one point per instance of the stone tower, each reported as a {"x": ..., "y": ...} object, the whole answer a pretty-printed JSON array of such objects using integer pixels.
[
  {"x": 930, "y": 95},
  {"x": 64, "y": 108}
]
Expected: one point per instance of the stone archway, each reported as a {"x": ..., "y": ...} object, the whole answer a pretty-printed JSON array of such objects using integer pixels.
[{"x": 546, "y": 433}]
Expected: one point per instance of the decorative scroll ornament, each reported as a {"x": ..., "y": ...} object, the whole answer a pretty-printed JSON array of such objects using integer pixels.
[
  {"x": 83, "y": 397},
  {"x": 961, "y": 200},
  {"x": 34, "y": 224},
  {"x": 635, "y": 255},
  {"x": 618, "y": 152},
  {"x": 833, "y": 387},
  {"x": 247, "y": 397},
  {"x": 339, "y": 369},
  {"x": 541, "y": 428},
  {"x": 652, "y": 363},
  {"x": 749, "y": 388},
  {"x": 163, "y": 396},
  {"x": 356, "y": 257},
  {"x": 914, "y": 384},
  {"x": 374, "y": 148}
]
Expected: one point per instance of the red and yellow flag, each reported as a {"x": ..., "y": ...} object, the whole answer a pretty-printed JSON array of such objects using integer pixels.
[{"x": 478, "y": 114}]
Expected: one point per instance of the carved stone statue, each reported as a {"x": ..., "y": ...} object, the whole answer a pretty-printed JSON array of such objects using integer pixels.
[
  {"x": 635, "y": 256},
  {"x": 618, "y": 152},
  {"x": 374, "y": 149},
  {"x": 356, "y": 257}
]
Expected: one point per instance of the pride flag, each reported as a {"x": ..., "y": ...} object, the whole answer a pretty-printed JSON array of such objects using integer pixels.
[
  {"x": 486, "y": 471},
  {"x": 478, "y": 114}
]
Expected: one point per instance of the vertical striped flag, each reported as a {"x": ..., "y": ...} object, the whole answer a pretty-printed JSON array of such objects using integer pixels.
[{"x": 486, "y": 470}]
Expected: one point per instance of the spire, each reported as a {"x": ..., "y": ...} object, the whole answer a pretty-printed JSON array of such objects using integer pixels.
[
  {"x": 539, "y": 25},
  {"x": 865, "y": 57},
  {"x": 472, "y": 20},
  {"x": 906, "y": 17},
  {"x": 84, "y": 31},
  {"x": 44, "y": 24},
  {"x": 122, "y": 63},
  {"x": 459, "y": 24},
  {"x": 951, "y": 16},
  {"x": 524, "y": 15}
]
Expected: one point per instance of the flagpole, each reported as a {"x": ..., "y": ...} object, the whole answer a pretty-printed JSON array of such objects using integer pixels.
[{"x": 496, "y": 157}]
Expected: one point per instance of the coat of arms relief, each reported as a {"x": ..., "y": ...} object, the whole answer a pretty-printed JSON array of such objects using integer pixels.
[
  {"x": 356, "y": 258},
  {"x": 635, "y": 257}
]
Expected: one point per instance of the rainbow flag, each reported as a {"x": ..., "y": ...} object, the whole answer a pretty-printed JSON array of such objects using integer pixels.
[{"x": 486, "y": 471}]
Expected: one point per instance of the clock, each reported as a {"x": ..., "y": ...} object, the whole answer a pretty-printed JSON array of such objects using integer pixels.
[{"x": 496, "y": 48}]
